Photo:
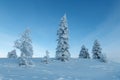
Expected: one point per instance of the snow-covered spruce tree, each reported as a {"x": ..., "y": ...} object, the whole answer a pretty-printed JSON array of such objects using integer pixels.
[
  {"x": 62, "y": 50},
  {"x": 46, "y": 58},
  {"x": 24, "y": 44},
  {"x": 84, "y": 53},
  {"x": 96, "y": 50},
  {"x": 12, "y": 54}
]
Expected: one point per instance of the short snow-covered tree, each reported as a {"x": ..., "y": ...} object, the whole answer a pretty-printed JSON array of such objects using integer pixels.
[
  {"x": 24, "y": 44},
  {"x": 23, "y": 61},
  {"x": 62, "y": 50},
  {"x": 96, "y": 50},
  {"x": 84, "y": 53},
  {"x": 12, "y": 54},
  {"x": 46, "y": 58},
  {"x": 103, "y": 58}
]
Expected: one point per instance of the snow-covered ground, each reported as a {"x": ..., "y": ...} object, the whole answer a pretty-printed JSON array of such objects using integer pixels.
[{"x": 75, "y": 69}]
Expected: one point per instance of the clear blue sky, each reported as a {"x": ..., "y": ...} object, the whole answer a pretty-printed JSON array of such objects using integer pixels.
[{"x": 87, "y": 19}]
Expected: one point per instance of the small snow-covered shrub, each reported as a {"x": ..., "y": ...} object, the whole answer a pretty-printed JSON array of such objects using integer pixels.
[
  {"x": 23, "y": 61},
  {"x": 12, "y": 54},
  {"x": 46, "y": 58},
  {"x": 103, "y": 58}
]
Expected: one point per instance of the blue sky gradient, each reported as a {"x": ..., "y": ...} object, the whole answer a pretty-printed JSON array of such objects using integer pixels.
[{"x": 87, "y": 19}]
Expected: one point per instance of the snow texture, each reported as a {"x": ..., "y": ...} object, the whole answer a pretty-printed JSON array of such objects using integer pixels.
[{"x": 75, "y": 69}]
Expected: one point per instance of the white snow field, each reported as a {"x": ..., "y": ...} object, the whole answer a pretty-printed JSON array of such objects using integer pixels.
[{"x": 75, "y": 69}]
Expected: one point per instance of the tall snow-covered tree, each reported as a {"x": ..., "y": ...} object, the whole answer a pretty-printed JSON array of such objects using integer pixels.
[
  {"x": 62, "y": 50},
  {"x": 24, "y": 44},
  {"x": 96, "y": 50},
  {"x": 84, "y": 53}
]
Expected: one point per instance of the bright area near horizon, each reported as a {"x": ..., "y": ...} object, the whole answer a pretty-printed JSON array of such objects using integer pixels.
[{"x": 87, "y": 20}]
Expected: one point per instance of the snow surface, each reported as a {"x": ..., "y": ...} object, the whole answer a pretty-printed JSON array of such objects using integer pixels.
[{"x": 75, "y": 69}]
